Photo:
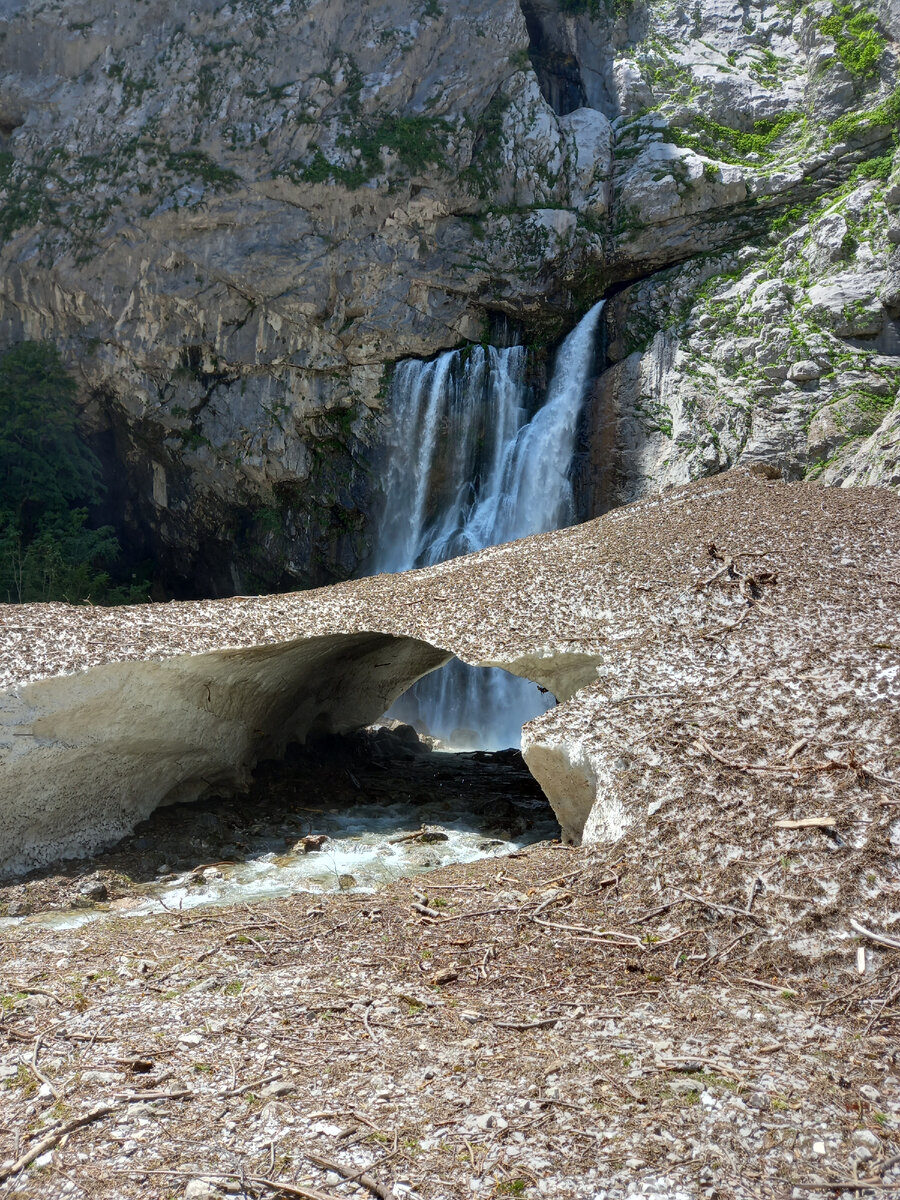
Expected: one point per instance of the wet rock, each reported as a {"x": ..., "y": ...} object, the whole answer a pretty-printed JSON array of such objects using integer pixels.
[
  {"x": 433, "y": 835},
  {"x": 346, "y": 882},
  {"x": 19, "y": 908},
  {"x": 310, "y": 843},
  {"x": 94, "y": 890}
]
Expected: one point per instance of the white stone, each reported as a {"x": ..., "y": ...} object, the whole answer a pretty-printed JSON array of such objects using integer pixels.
[
  {"x": 801, "y": 372},
  {"x": 491, "y": 1121}
]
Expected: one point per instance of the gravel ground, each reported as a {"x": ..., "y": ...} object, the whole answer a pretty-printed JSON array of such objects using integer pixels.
[{"x": 547, "y": 1024}]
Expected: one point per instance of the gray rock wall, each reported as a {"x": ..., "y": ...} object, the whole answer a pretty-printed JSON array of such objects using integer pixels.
[{"x": 233, "y": 217}]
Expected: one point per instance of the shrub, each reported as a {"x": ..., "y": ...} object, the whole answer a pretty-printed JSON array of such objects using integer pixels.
[{"x": 857, "y": 41}]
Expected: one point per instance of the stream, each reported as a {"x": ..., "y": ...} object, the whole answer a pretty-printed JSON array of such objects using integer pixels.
[{"x": 349, "y": 813}]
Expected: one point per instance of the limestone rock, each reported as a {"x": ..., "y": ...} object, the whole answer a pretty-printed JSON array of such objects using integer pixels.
[
  {"x": 803, "y": 372},
  {"x": 846, "y": 303},
  {"x": 233, "y": 245}
]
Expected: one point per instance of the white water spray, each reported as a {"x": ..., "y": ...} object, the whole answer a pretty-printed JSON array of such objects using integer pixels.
[{"x": 467, "y": 468}]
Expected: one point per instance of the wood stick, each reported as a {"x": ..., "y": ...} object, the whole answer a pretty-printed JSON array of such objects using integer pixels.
[
  {"x": 48, "y": 1142},
  {"x": 545, "y": 1024},
  {"x": 882, "y": 939},
  {"x": 372, "y": 1185},
  {"x": 288, "y": 1189},
  {"x": 806, "y": 823}
]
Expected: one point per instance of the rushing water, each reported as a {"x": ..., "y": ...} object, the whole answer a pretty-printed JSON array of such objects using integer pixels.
[
  {"x": 468, "y": 466},
  {"x": 312, "y": 824}
]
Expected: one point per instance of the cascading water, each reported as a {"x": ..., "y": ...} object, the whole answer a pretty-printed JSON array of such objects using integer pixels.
[{"x": 467, "y": 468}]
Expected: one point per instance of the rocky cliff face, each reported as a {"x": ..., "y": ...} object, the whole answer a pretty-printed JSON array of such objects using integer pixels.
[{"x": 234, "y": 217}]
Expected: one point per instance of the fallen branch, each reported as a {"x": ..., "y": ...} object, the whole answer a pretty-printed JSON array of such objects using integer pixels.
[
  {"x": 275, "y": 1185},
  {"x": 835, "y": 764},
  {"x": 287, "y": 1189},
  {"x": 881, "y": 939},
  {"x": 806, "y": 823},
  {"x": 693, "y": 1061},
  {"x": 545, "y": 1024},
  {"x": 724, "y": 909},
  {"x": 245, "y": 1087},
  {"x": 769, "y": 987},
  {"x": 711, "y": 958},
  {"x": 53, "y": 1139},
  {"x": 481, "y": 912},
  {"x": 629, "y": 939},
  {"x": 406, "y": 837},
  {"x": 849, "y": 1185},
  {"x": 363, "y": 1178}
]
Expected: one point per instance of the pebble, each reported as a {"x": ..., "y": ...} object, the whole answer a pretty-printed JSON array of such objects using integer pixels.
[
  {"x": 199, "y": 1189},
  {"x": 865, "y": 1137},
  {"x": 491, "y": 1120},
  {"x": 278, "y": 1087}
]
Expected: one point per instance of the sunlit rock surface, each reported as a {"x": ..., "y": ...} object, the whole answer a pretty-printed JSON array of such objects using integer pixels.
[
  {"x": 232, "y": 242},
  {"x": 734, "y": 645}
]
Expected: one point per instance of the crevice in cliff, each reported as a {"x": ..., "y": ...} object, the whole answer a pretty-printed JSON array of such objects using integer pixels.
[{"x": 555, "y": 65}]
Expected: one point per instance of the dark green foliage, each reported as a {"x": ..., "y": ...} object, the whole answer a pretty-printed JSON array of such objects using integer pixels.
[
  {"x": 48, "y": 481},
  {"x": 487, "y": 152},
  {"x": 858, "y": 43},
  {"x": 873, "y": 168},
  {"x": 25, "y": 200},
  {"x": 44, "y": 466}
]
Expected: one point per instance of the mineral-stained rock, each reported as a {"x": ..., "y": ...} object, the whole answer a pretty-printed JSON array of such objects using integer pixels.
[{"x": 723, "y": 656}]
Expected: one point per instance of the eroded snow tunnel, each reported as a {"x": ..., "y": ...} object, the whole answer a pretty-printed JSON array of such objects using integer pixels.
[{"x": 90, "y": 755}]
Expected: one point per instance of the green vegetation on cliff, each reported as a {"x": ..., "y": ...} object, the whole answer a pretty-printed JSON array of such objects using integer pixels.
[
  {"x": 887, "y": 113},
  {"x": 417, "y": 143},
  {"x": 857, "y": 41},
  {"x": 49, "y": 480},
  {"x": 732, "y": 145}
]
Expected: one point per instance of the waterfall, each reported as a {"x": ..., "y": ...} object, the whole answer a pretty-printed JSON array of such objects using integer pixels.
[{"x": 469, "y": 467}]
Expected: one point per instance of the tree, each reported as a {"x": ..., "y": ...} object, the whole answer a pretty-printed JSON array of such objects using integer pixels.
[{"x": 49, "y": 480}]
